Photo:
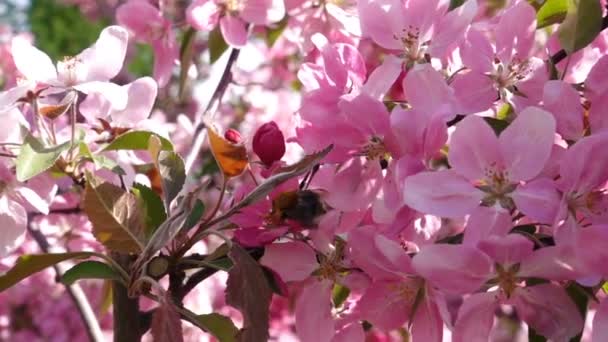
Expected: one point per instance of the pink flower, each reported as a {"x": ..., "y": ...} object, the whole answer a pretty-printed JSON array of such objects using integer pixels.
[
  {"x": 233, "y": 16},
  {"x": 506, "y": 261},
  {"x": 148, "y": 25},
  {"x": 416, "y": 28},
  {"x": 269, "y": 143},
  {"x": 141, "y": 96},
  {"x": 488, "y": 170},
  {"x": 514, "y": 75},
  {"x": 15, "y": 200},
  {"x": 88, "y": 71}
]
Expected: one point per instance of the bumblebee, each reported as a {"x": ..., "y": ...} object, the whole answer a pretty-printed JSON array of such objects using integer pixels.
[{"x": 302, "y": 206}]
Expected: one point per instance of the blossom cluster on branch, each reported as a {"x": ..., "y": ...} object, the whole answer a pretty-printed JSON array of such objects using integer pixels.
[{"x": 369, "y": 170}]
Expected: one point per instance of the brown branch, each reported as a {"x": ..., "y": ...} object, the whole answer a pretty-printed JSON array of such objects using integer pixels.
[{"x": 200, "y": 133}]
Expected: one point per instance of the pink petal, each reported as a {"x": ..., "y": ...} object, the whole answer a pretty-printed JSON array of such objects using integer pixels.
[
  {"x": 564, "y": 103},
  {"x": 600, "y": 323},
  {"x": 382, "y": 20},
  {"x": 474, "y": 149},
  {"x": 526, "y": 144},
  {"x": 507, "y": 250},
  {"x": 314, "y": 322},
  {"x": 203, "y": 14},
  {"x": 141, "y": 24},
  {"x": 598, "y": 120},
  {"x": 366, "y": 114},
  {"x": 597, "y": 81},
  {"x": 105, "y": 58},
  {"x": 293, "y": 261},
  {"x": 388, "y": 304},
  {"x": 474, "y": 91},
  {"x": 583, "y": 166},
  {"x": 115, "y": 94},
  {"x": 467, "y": 269},
  {"x": 142, "y": 94},
  {"x": 477, "y": 53},
  {"x": 427, "y": 324},
  {"x": 552, "y": 263},
  {"x": 234, "y": 31},
  {"x": 254, "y": 11},
  {"x": 378, "y": 256},
  {"x": 32, "y": 63},
  {"x": 538, "y": 199},
  {"x": 515, "y": 31},
  {"x": 383, "y": 77},
  {"x": 451, "y": 28},
  {"x": 591, "y": 248},
  {"x": 13, "y": 220},
  {"x": 427, "y": 90},
  {"x": 355, "y": 187},
  {"x": 475, "y": 318},
  {"x": 165, "y": 55},
  {"x": 548, "y": 309},
  {"x": 485, "y": 222},
  {"x": 351, "y": 333},
  {"x": 442, "y": 193}
]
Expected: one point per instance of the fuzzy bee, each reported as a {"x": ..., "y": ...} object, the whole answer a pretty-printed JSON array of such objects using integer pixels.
[{"x": 302, "y": 206}]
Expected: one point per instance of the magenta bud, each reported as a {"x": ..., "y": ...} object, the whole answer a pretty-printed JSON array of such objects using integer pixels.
[
  {"x": 233, "y": 136},
  {"x": 269, "y": 143}
]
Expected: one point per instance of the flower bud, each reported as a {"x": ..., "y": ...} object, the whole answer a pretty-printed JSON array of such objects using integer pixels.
[
  {"x": 233, "y": 136},
  {"x": 269, "y": 143}
]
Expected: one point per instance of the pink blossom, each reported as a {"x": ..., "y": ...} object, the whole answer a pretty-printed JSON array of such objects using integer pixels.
[
  {"x": 148, "y": 25},
  {"x": 488, "y": 169},
  {"x": 233, "y": 16}
]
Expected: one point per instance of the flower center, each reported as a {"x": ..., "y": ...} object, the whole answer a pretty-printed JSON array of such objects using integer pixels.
[
  {"x": 414, "y": 50},
  {"x": 507, "y": 278},
  {"x": 497, "y": 186},
  {"x": 507, "y": 76},
  {"x": 71, "y": 70},
  {"x": 374, "y": 149}
]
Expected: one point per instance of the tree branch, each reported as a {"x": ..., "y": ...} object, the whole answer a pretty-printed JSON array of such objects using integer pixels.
[
  {"x": 128, "y": 320},
  {"x": 74, "y": 291},
  {"x": 200, "y": 133}
]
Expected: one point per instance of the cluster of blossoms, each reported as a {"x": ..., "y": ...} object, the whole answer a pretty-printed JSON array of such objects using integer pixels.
[{"x": 426, "y": 170}]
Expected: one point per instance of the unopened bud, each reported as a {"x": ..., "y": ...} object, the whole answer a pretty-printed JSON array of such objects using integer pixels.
[
  {"x": 269, "y": 143},
  {"x": 233, "y": 136}
]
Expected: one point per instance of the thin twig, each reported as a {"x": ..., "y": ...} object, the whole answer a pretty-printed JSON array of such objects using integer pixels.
[
  {"x": 74, "y": 291},
  {"x": 200, "y": 133}
]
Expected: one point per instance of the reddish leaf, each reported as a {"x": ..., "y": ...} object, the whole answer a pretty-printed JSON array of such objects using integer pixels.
[
  {"x": 231, "y": 158},
  {"x": 166, "y": 323},
  {"x": 248, "y": 290}
]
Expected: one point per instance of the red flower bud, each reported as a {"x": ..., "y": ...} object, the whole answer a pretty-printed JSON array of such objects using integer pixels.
[
  {"x": 233, "y": 136},
  {"x": 269, "y": 143}
]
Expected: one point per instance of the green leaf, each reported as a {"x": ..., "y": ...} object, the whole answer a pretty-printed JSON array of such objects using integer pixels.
[
  {"x": 533, "y": 336},
  {"x": 195, "y": 215},
  {"x": 248, "y": 291},
  {"x": 186, "y": 53},
  {"x": 605, "y": 287},
  {"x": 505, "y": 112},
  {"x": 29, "y": 264},
  {"x": 172, "y": 173},
  {"x": 154, "y": 210},
  {"x": 497, "y": 125},
  {"x": 272, "y": 34},
  {"x": 35, "y": 158},
  {"x": 456, "y": 3},
  {"x": 217, "y": 45},
  {"x": 551, "y": 12},
  {"x": 339, "y": 295},
  {"x": 219, "y": 326},
  {"x": 582, "y": 24},
  {"x": 89, "y": 270},
  {"x": 101, "y": 162},
  {"x": 116, "y": 215},
  {"x": 136, "y": 140}
]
